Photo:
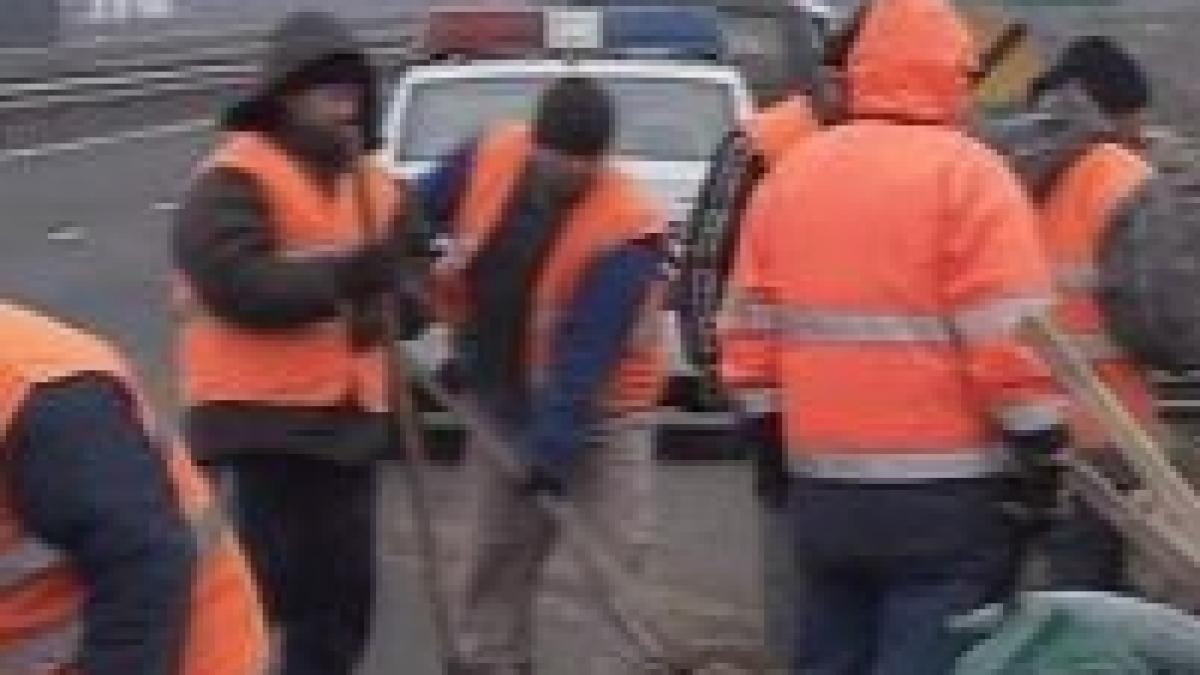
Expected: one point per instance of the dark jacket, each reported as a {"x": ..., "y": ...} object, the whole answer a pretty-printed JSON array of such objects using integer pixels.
[
  {"x": 1045, "y": 139},
  {"x": 91, "y": 483},
  {"x": 225, "y": 248}
]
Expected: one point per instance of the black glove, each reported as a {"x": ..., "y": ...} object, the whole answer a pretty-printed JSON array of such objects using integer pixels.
[
  {"x": 368, "y": 272},
  {"x": 453, "y": 376},
  {"x": 1037, "y": 484},
  {"x": 412, "y": 319},
  {"x": 540, "y": 480},
  {"x": 763, "y": 436},
  {"x": 368, "y": 323}
]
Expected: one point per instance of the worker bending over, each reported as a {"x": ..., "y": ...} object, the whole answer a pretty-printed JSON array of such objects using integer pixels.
[
  {"x": 114, "y": 557},
  {"x": 553, "y": 286}
]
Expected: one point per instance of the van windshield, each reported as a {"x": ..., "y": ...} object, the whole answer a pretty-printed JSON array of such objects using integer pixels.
[{"x": 659, "y": 119}]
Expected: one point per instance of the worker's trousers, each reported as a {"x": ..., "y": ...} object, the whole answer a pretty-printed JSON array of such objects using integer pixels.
[
  {"x": 884, "y": 569},
  {"x": 513, "y": 540},
  {"x": 308, "y": 527},
  {"x": 778, "y": 584},
  {"x": 1084, "y": 553}
]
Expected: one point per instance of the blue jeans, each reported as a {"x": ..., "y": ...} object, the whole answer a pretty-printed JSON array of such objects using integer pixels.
[{"x": 882, "y": 569}]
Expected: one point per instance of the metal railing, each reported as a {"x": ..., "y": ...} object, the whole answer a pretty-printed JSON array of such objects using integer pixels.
[{"x": 165, "y": 65}]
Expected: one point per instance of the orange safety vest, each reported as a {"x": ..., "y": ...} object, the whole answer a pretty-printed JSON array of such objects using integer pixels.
[
  {"x": 1074, "y": 217},
  {"x": 613, "y": 213},
  {"x": 889, "y": 322},
  {"x": 310, "y": 366},
  {"x": 776, "y": 129},
  {"x": 41, "y": 596}
]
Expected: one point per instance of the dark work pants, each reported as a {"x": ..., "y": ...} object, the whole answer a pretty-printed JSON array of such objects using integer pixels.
[
  {"x": 883, "y": 569},
  {"x": 1085, "y": 553},
  {"x": 308, "y": 526}
]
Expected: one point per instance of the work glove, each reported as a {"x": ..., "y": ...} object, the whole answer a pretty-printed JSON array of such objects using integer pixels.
[
  {"x": 369, "y": 323},
  {"x": 1037, "y": 484},
  {"x": 452, "y": 375},
  {"x": 762, "y": 435},
  {"x": 542, "y": 480},
  {"x": 552, "y": 452},
  {"x": 548, "y": 468},
  {"x": 369, "y": 271}
]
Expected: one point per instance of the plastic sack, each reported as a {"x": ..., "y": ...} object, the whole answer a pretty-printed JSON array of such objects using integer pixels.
[{"x": 1072, "y": 633}]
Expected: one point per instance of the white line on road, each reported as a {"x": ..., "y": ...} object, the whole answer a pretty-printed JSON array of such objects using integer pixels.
[{"x": 51, "y": 149}]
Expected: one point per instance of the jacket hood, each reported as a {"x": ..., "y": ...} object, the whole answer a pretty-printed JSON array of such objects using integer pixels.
[
  {"x": 304, "y": 44},
  {"x": 911, "y": 60}
]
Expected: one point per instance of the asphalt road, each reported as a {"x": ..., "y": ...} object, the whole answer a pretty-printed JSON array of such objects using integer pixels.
[{"x": 85, "y": 235}]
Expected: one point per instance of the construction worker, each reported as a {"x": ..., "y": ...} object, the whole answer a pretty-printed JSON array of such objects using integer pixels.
[
  {"x": 114, "y": 559},
  {"x": 1089, "y": 178},
  {"x": 552, "y": 287},
  {"x": 285, "y": 259},
  {"x": 885, "y": 267},
  {"x": 771, "y": 133},
  {"x": 773, "y": 130},
  {"x": 744, "y": 158}
]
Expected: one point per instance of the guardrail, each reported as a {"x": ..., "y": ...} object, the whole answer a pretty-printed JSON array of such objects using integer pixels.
[{"x": 117, "y": 72}]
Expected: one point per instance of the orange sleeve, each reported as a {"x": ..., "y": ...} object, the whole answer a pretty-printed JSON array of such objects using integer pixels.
[{"x": 994, "y": 275}]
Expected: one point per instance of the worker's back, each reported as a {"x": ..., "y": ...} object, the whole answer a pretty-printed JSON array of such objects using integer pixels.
[
  {"x": 885, "y": 267},
  {"x": 869, "y": 214},
  {"x": 47, "y": 601},
  {"x": 879, "y": 237}
]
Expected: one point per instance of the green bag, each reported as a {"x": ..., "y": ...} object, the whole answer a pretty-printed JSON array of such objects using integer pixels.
[{"x": 1078, "y": 633}]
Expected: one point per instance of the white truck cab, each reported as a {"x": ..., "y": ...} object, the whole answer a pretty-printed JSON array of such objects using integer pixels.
[{"x": 675, "y": 100}]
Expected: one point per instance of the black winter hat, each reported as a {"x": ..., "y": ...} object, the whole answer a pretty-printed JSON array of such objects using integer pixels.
[
  {"x": 575, "y": 116},
  {"x": 1105, "y": 71},
  {"x": 308, "y": 49}
]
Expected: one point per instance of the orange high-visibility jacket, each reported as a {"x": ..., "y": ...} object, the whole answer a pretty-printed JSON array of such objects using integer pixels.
[
  {"x": 777, "y": 128},
  {"x": 310, "y": 366},
  {"x": 41, "y": 596},
  {"x": 886, "y": 266},
  {"x": 1075, "y": 215},
  {"x": 613, "y": 212}
]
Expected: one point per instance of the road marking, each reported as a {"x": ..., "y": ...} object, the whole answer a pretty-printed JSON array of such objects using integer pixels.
[
  {"x": 148, "y": 133},
  {"x": 66, "y": 232}
]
